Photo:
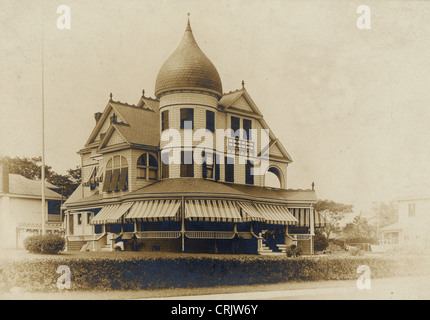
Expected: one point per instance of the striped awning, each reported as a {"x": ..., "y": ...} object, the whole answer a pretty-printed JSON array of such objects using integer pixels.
[
  {"x": 87, "y": 178},
  {"x": 251, "y": 212},
  {"x": 154, "y": 210},
  {"x": 111, "y": 213},
  {"x": 275, "y": 214},
  {"x": 212, "y": 210}
]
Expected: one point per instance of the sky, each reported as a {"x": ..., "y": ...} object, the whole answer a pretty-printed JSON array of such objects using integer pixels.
[{"x": 349, "y": 105}]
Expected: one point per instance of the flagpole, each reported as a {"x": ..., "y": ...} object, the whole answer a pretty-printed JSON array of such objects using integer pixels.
[{"x": 43, "y": 139}]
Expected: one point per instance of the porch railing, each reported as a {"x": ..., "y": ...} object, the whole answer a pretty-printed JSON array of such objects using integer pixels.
[
  {"x": 210, "y": 234},
  {"x": 296, "y": 237},
  {"x": 158, "y": 234}
]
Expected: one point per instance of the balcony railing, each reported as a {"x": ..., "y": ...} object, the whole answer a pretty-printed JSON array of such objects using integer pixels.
[{"x": 240, "y": 146}]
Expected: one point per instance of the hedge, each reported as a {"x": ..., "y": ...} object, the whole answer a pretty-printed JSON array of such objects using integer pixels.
[{"x": 182, "y": 272}]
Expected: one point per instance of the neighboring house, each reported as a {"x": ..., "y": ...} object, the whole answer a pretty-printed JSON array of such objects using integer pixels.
[
  {"x": 21, "y": 208},
  {"x": 412, "y": 228},
  {"x": 136, "y": 195}
]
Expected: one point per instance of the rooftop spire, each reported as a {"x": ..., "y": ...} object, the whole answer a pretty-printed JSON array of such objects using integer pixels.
[{"x": 188, "y": 24}]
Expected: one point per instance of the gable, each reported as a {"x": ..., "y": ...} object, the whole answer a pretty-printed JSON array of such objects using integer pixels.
[
  {"x": 275, "y": 151},
  {"x": 103, "y": 124},
  {"x": 114, "y": 139},
  {"x": 242, "y": 105}
]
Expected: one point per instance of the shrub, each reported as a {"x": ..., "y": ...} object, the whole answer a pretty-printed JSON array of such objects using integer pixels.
[
  {"x": 320, "y": 241},
  {"x": 355, "y": 251},
  {"x": 40, "y": 274},
  {"x": 49, "y": 243},
  {"x": 293, "y": 251}
]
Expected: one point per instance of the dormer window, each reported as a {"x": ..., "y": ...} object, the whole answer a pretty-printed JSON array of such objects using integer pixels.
[{"x": 147, "y": 167}]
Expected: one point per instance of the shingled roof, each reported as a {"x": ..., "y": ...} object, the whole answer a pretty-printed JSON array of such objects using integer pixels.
[{"x": 21, "y": 186}]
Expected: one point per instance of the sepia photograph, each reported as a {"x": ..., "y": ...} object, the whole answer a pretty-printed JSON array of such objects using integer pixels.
[{"x": 215, "y": 156}]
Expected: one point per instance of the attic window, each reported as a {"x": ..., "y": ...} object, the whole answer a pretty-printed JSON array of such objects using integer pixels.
[{"x": 116, "y": 175}]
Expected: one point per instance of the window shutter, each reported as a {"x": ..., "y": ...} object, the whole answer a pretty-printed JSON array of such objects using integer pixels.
[
  {"x": 122, "y": 185},
  {"x": 106, "y": 182}
]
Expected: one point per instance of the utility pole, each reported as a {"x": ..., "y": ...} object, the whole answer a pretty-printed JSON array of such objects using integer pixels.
[{"x": 43, "y": 139}]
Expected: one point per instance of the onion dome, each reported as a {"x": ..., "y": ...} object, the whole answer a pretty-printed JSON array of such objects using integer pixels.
[{"x": 188, "y": 68}]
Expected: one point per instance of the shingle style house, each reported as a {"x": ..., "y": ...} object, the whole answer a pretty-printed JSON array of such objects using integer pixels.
[{"x": 149, "y": 183}]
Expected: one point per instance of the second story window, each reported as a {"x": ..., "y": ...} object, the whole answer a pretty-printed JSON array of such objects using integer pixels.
[
  {"x": 208, "y": 165},
  {"x": 165, "y": 161},
  {"x": 235, "y": 126},
  {"x": 187, "y": 164},
  {"x": 411, "y": 209},
  {"x": 229, "y": 169},
  {"x": 116, "y": 175},
  {"x": 147, "y": 167},
  {"x": 247, "y": 125},
  {"x": 187, "y": 118},
  {"x": 249, "y": 174},
  {"x": 210, "y": 121},
  {"x": 165, "y": 120}
]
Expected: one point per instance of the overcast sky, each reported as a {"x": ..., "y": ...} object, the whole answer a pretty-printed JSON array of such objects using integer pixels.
[{"x": 349, "y": 105}]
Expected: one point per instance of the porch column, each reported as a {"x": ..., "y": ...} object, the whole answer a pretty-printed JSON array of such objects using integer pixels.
[
  {"x": 183, "y": 224},
  {"x": 312, "y": 227}
]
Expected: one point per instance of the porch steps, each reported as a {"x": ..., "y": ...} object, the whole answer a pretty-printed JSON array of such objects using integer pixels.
[
  {"x": 266, "y": 251},
  {"x": 282, "y": 247},
  {"x": 106, "y": 248}
]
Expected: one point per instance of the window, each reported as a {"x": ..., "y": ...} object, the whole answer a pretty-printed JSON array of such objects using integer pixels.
[
  {"x": 235, "y": 126},
  {"x": 249, "y": 174},
  {"x": 89, "y": 216},
  {"x": 187, "y": 115},
  {"x": 247, "y": 124},
  {"x": 147, "y": 167},
  {"x": 217, "y": 168},
  {"x": 116, "y": 175},
  {"x": 79, "y": 218},
  {"x": 165, "y": 120},
  {"x": 208, "y": 165},
  {"x": 54, "y": 207},
  {"x": 165, "y": 161},
  {"x": 187, "y": 165},
  {"x": 229, "y": 169},
  {"x": 210, "y": 121},
  {"x": 411, "y": 209}
]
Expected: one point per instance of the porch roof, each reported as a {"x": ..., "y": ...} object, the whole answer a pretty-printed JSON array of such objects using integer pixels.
[
  {"x": 111, "y": 213},
  {"x": 212, "y": 210},
  {"x": 157, "y": 210}
]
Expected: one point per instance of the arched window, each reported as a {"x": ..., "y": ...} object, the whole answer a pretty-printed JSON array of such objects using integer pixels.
[
  {"x": 116, "y": 174},
  {"x": 147, "y": 167}
]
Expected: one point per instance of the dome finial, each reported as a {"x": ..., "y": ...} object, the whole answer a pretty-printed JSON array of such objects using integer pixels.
[
  {"x": 110, "y": 96},
  {"x": 243, "y": 84},
  {"x": 188, "y": 24}
]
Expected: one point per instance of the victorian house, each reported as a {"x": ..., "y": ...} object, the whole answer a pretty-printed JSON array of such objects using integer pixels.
[{"x": 149, "y": 183}]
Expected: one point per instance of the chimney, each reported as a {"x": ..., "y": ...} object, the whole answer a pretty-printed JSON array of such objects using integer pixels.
[
  {"x": 4, "y": 178},
  {"x": 97, "y": 116}
]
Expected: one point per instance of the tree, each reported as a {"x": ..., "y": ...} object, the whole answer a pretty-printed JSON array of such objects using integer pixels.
[
  {"x": 31, "y": 168},
  {"x": 386, "y": 213},
  {"x": 359, "y": 231},
  {"x": 333, "y": 213}
]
